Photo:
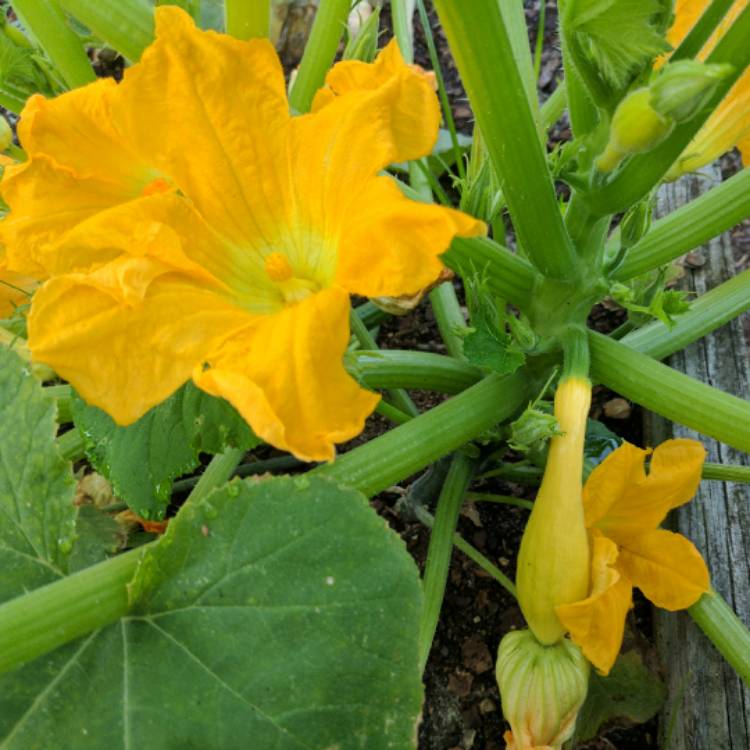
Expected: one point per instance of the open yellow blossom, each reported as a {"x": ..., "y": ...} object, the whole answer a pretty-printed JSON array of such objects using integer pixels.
[
  {"x": 193, "y": 228},
  {"x": 729, "y": 125},
  {"x": 624, "y": 507}
]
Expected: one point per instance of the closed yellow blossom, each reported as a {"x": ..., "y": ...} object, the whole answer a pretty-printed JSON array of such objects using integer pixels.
[
  {"x": 729, "y": 125},
  {"x": 193, "y": 228},
  {"x": 624, "y": 507}
]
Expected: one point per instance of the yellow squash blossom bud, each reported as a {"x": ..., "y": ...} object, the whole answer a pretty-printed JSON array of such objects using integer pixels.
[
  {"x": 636, "y": 127},
  {"x": 553, "y": 562},
  {"x": 542, "y": 689}
]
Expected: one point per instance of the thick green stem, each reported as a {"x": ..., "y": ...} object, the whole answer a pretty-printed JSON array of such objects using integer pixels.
[
  {"x": 399, "y": 396},
  {"x": 726, "y": 473},
  {"x": 441, "y": 548},
  {"x": 641, "y": 173},
  {"x": 709, "y": 312},
  {"x": 71, "y": 445},
  {"x": 670, "y": 393},
  {"x": 221, "y": 467},
  {"x": 388, "y": 368},
  {"x": 247, "y": 19},
  {"x": 507, "y": 275},
  {"x": 126, "y": 25},
  {"x": 329, "y": 25},
  {"x": 47, "y": 23},
  {"x": 449, "y": 318},
  {"x": 479, "y": 40},
  {"x": 725, "y": 630},
  {"x": 48, "y": 617},
  {"x": 689, "y": 226},
  {"x": 405, "y": 450}
]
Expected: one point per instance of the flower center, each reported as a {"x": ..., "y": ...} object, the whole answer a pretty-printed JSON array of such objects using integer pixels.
[
  {"x": 293, "y": 288},
  {"x": 278, "y": 267},
  {"x": 159, "y": 185}
]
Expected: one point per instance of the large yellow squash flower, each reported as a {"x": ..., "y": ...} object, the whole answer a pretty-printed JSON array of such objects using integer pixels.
[
  {"x": 624, "y": 507},
  {"x": 729, "y": 125},
  {"x": 193, "y": 228}
]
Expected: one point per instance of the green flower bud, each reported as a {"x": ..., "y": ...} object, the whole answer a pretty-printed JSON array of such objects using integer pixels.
[
  {"x": 636, "y": 127},
  {"x": 684, "y": 87},
  {"x": 636, "y": 222},
  {"x": 542, "y": 689}
]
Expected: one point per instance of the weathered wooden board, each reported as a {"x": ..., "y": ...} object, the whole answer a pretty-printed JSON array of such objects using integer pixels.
[{"x": 708, "y": 707}]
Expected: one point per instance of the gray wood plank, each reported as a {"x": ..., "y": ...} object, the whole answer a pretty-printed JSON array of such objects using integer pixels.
[{"x": 708, "y": 706}]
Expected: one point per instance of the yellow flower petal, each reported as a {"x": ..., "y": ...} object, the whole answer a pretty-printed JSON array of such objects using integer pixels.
[
  {"x": 129, "y": 334},
  {"x": 390, "y": 245},
  {"x": 285, "y": 375},
  {"x": 608, "y": 483},
  {"x": 46, "y": 202},
  {"x": 211, "y": 112},
  {"x": 622, "y": 501},
  {"x": 354, "y": 75},
  {"x": 79, "y": 164},
  {"x": 666, "y": 567},
  {"x": 596, "y": 624},
  {"x": 342, "y": 146},
  {"x": 15, "y": 289}
]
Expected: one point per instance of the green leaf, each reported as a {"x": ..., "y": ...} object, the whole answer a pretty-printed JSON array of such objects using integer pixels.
[
  {"x": 142, "y": 460},
  {"x": 620, "y": 36},
  {"x": 600, "y": 442},
  {"x": 275, "y": 614},
  {"x": 631, "y": 693},
  {"x": 494, "y": 350},
  {"x": 36, "y": 485},
  {"x": 98, "y": 537}
]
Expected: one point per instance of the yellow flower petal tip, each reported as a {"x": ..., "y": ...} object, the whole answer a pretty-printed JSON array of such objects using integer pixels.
[
  {"x": 192, "y": 228},
  {"x": 624, "y": 505}
]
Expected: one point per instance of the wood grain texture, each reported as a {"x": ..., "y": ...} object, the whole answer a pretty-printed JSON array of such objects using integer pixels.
[{"x": 708, "y": 706}]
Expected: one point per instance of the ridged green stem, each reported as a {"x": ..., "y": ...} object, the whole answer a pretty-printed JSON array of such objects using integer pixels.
[
  {"x": 640, "y": 174},
  {"x": 405, "y": 450},
  {"x": 726, "y": 473},
  {"x": 670, "y": 393},
  {"x": 480, "y": 43},
  {"x": 725, "y": 630},
  {"x": 320, "y": 51},
  {"x": 48, "y": 617},
  {"x": 46, "y": 21},
  {"x": 398, "y": 396},
  {"x": 507, "y": 275},
  {"x": 247, "y": 19},
  {"x": 552, "y": 109},
  {"x": 448, "y": 317},
  {"x": 126, "y": 25},
  {"x": 707, "y": 313},
  {"x": 71, "y": 445},
  {"x": 386, "y": 368},
  {"x": 689, "y": 226},
  {"x": 441, "y": 548}
]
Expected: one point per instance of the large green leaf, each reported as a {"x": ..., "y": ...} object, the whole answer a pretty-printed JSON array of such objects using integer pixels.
[
  {"x": 275, "y": 614},
  {"x": 142, "y": 459},
  {"x": 37, "y": 516}
]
